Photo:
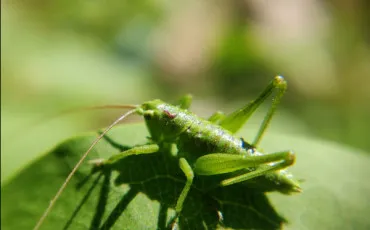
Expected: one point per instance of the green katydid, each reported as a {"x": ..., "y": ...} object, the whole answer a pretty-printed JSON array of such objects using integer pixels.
[{"x": 217, "y": 150}]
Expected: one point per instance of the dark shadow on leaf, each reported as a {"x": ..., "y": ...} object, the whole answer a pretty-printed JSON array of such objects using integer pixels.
[
  {"x": 114, "y": 143},
  {"x": 162, "y": 216},
  {"x": 241, "y": 206},
  {"x": 84, "y": 181},
  {"x": 155, "y": 180},
  {"x": 102, "y": 203},
  {"x": 120, "y": 207},
  {"x": 159, "y": 177},
  {"x": 83, "y": 201}
]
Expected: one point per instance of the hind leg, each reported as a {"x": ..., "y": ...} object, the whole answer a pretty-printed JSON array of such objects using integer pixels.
[{"x": 234, "y": 121}]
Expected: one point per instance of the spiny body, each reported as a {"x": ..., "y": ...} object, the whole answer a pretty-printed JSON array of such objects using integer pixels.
[
  {"x": 190, "y": 132},
  {"x": 196, "y": 137}
]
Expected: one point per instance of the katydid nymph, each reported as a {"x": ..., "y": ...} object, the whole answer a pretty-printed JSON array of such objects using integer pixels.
[{"x": 217, "y": 150}]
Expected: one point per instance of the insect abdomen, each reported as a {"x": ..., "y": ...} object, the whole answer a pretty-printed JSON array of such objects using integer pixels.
[
  {"x": 197, "y": 136},
  {"x": 203, "y": 137}
]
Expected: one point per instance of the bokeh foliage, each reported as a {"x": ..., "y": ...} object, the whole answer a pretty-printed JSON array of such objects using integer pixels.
[{"x": 59, "y": 55}]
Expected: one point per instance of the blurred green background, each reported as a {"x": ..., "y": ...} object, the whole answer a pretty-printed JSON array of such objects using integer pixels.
[{"x": 58, "y": 55}]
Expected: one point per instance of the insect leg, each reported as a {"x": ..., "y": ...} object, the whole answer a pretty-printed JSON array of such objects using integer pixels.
[
  {"x": 262, "y": 171},
  {"x": 138, "y": 150},
  {"x": 219, "y": 163},
  {"x": 217, "y": 117},
  {"x": 281, "y": 85},
  {"x": 189, "y": 174},
  {"x": 185, "y": 101},
  {"x": 234, "y": 121}
]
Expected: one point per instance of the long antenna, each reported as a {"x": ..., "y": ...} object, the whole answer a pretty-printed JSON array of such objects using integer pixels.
[
  {"x": 61, "y": 189},
  {"x": 86, "y": 108},
  {"x": 98, "y": 107},
  {"x": 69, "y": 111}
]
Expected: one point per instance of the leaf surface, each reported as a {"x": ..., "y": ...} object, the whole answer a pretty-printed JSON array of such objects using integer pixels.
[{"x": 142, "y": 190}]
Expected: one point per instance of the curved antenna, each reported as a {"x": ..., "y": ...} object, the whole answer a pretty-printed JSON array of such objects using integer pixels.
[
  {"x": 61, "y": 189},
  {"x": 98, "y": 107},
  {"x": 68, "y": 111},
  {"x": 86, "y": 108}
]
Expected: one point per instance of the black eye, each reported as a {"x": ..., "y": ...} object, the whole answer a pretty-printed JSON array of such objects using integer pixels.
[{"x": 148, "y": 114}]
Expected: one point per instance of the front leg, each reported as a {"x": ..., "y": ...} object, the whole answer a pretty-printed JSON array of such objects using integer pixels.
[
  {"x": 189, "y": 174},
  {"x": 138, "y": 150}
]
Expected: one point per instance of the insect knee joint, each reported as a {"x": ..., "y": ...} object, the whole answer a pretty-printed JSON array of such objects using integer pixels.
[
  {"x": 280, "y": 82},
  {"x": 186, "y": 168},
  {"x": 290, "y": 157}
]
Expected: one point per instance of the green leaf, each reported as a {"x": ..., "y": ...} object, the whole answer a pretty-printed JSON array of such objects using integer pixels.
[{"x": 142, "y": 191}]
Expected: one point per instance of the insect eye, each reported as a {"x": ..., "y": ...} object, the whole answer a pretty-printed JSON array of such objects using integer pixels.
[
  {"x": 169, "y": 114},
  {"x": 148, "y": 114}
]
